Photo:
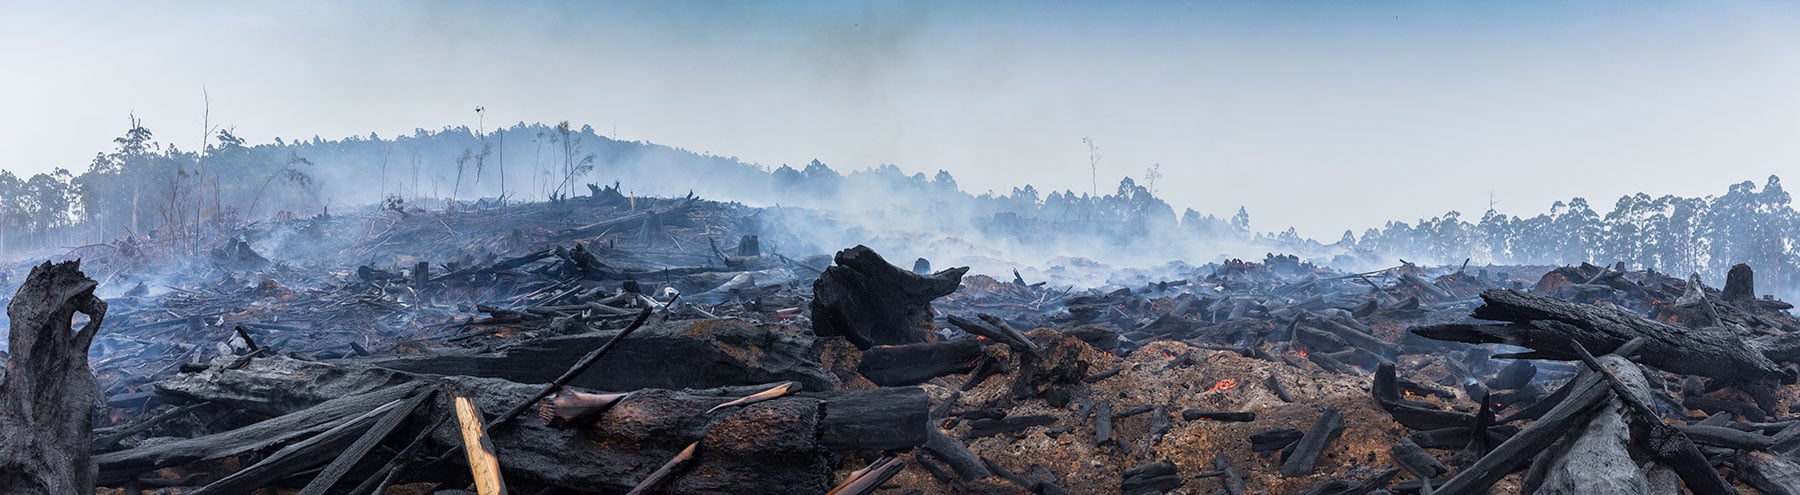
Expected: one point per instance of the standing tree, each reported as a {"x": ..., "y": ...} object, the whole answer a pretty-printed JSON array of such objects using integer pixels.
[
  {"x": 1093, "y": 164},
  {"x": 462, "y": 161},
  {"x": 575, "y": 164},
  {"x": 1151, "y": 175},
  {"x": 12, "y": 205}
]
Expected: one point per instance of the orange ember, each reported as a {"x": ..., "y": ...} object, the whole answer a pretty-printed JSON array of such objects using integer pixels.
[
  {"x": 1226, "y": 384},
  {"x": 1302, "y": 353},
  {"x": 1168, "y": 355}
]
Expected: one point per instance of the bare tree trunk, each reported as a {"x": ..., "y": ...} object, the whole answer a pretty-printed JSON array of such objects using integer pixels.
[{"x": 47, "y": 397}]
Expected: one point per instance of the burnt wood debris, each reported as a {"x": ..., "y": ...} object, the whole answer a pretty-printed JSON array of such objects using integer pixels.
[{"x": 678, "y": 345}]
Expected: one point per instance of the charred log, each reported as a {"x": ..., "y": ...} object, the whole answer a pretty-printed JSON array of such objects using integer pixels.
[
  {"x": 714, "y": 353},
  {"x": 1547, "y": 325},
  {"x": 1311, "y": 446},
  {"x": 916, "y": 363}
]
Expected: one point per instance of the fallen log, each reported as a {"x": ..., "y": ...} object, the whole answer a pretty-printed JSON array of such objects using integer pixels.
[
  {"x": 1587, "y": 392},
  {"x": 1231, "y": 416},
  {"x": 122, "y": 465},
  {"x": 1547, "y": 325},
  {"x": 714, "y": 353},
  {"x": 1103, "y": 422},
  {"x": 1416, "y": 460},
  {"x": 1005, "y": 335},
  {"x": 774, "y": 446},
  {"x": 1596, "y": 459},
  {"x": 306, "y": 454},
  {"x": 1231, "y": 481},
  {"x": 990, "y": 427},
  {"x": 1311, "y": 446},
  {"x": 894, "y": 365},
  {"x": 47, "y": 395},
  {"x": 1272, "y": 440},
  {"x": 1155, "y": 477},
  {"x": 1335, "y": 486},
  {"x": 957, "y": 455},
  {"x": 627, "y": 221},
  {"x": 1773, "y": 475},
  {"x": 356, "y": 451},
  {"x": 1667, "y": 444},
  {"x": 1731, "y": 438}
]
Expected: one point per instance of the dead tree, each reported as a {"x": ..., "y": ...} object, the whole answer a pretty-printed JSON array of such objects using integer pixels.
[
  {"x": 47, "y": 397},
  {"x": 872, "y": 302}
]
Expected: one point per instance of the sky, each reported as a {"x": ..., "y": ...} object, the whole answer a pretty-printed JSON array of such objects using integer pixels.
[{"x": 1324, "y": 116}]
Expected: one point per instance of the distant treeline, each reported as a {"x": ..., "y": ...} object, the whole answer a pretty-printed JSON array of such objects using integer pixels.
[{"x": 154, "y": 189}]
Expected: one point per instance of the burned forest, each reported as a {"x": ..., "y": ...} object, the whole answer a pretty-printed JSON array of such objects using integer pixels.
[
  {"x": 614, "y": 343},
  {"x": 417, "y": 247}
]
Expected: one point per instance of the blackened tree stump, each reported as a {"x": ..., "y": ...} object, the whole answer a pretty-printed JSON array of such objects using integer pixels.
[
  {"x": 871, "y": 302},
  {"x": 47, "y": 397}
]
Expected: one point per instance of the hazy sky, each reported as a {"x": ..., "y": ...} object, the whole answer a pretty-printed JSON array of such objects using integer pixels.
[{"x": 1323, "y": 116}]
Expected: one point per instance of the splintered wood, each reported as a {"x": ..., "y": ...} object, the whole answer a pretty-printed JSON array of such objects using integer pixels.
[{"x": 480, "y": 452}]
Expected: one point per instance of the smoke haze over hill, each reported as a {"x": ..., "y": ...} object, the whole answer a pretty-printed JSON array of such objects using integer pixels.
[{"x": 1429, "y": 107}]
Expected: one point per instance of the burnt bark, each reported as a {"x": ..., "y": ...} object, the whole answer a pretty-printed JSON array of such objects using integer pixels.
[
  {"x": 872, "y": 302},
  {"x": 47, "y": 397}
]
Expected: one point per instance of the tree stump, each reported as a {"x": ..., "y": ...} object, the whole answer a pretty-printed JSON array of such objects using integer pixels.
[
  {"x": 1740, "y": 286},
  {"x": 47, "y": 397},
  {"x": 872, "y": 302}
]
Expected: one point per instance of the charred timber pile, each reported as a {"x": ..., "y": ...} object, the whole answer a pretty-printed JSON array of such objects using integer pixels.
[
  {"x": 576, "y": 439},
  {"x": 621, "y": 344}
]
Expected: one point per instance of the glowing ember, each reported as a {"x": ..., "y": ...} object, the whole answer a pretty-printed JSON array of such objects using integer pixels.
[
  {"x": 1302, "y": 353},
  {"x": 1167, "y": 355},
  {"x": 1226, "y": 384}
]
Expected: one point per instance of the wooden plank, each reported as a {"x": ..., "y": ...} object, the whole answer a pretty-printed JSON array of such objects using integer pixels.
[{"x": 483, "y": 464}]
